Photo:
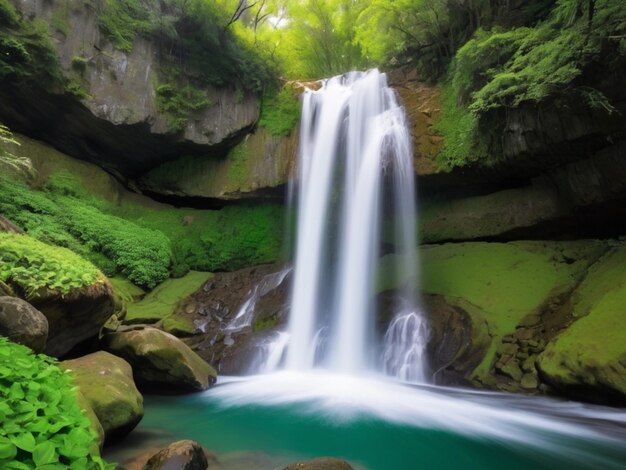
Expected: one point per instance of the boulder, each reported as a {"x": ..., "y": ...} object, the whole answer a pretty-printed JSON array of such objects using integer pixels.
[
  {"x": 320, "y": 464},
  {"x": 116, "y": 120},
  {"x": 23, "y": 323},
  {"x": 161, "y": 360},
  {"x": 75, "y": 316},
  {"x": 83, "y": 403},
  {"x": 587, "y": 360},
  {"x": 106, "y": 381},
  {"x": 179, "y": 455}
]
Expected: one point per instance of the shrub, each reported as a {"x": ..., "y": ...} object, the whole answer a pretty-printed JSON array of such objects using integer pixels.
[
  {"x": 31, "y": 265},
  {"x": 42, "y": 424}
]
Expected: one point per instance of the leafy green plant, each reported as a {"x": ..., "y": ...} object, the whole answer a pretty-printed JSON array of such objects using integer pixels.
[
  {"x": 42, "y": 424},
  {"x": 32, "y": 265},
  {"x": 20, "y": 164}
]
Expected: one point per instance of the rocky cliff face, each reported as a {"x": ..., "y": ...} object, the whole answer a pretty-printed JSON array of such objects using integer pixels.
[{"x": 112, "y": 118}]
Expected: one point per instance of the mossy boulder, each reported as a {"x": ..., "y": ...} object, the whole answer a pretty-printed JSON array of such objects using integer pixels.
[
  {"x": 179, "y": 455},
  {"x": 160, "y": 360},
  {"x": 72, "y": 293},
  {"x": 22, "y": 323},
  {"x": 509, "y": 296},
  {"x": 84, "y": 405},
  {"x": 106, "y": 381},
  {"x": 163, "y": 300},
  {"x": 588, "y": 359}
]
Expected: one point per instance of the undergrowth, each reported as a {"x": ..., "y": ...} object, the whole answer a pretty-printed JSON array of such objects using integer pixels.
[
  {"x": 43, "y": 426},
  {"x": 32, "y": 265}
]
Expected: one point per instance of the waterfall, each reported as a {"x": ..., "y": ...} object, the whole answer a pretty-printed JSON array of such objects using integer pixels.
[{"x": 355, "y": 151}]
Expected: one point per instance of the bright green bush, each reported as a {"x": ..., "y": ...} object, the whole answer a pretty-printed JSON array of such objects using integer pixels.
[
  {"x": 31, "y": 265},
  {"x": 57, "y": 217},
  {"x": 280, "y": 112},
  {"x": 42, "y": 425}
]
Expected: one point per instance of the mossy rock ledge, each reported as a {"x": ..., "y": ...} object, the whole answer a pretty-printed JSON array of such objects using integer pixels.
[
  {"x": 106, "y": 382},
  {"x": 160, "y": 360},
  {"x": 75, "y": 297}
]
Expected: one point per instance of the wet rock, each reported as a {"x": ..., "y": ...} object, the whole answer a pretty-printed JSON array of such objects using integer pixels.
[
  {"x": 219, "y": 302},
  {"x": 179, "y": 455},
  {"x": 320, "y": 464},
  {"x": 106, "y": 381},
  {"x": 529, "y": 381},
  {"x": 511, "y": 369},
  {"x": 23, "y": 323},
  {"x": 161, "y": 360}
]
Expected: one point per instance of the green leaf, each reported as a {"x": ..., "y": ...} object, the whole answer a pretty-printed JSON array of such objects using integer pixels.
[
  {"x": 45, "y": 453},
  {"x": 7, "y": 449},
  {"x": 24, "y": 441}
]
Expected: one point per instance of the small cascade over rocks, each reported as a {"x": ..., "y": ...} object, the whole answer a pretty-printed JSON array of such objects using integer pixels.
[{"x": 355, "y": 159}]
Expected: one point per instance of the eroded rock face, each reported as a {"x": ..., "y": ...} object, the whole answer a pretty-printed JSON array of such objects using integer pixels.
[
  {"x": 179, "y": 455},
  {"x": 161, "y": 360},
  {"x": 116, "y": 123},
  {"x": 106, "y": 382},
  {"x": 257, "y": 167},
  {"x": 22, "y": 323}
]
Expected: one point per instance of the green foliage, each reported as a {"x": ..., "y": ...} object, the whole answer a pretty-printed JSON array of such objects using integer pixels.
[
  {"x": 143, "y": 255},
  {"x": 8, "y": 14},
  {"x": 26, "y": 52},
  {"x": 462, "y": 141},
  {"x": 19, "y": 164},
  {"x": 31, "y": 265},
  {"x": 42, "y": 423},
  {"x": 179, "y": 102},
  {"x": 122, "y": 20},
  {"x": 504, "y": 68},
  {"x": 280, "y": 112},
  {"x": 192, "y": 33}
]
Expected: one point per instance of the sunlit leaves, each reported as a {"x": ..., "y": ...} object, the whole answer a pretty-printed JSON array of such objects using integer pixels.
[{"x": 42, "y": 424}]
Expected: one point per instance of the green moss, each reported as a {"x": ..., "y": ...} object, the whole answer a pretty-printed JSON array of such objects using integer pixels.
[
  {"x": 459, "y": 127},
  {"x": 178, "y": 103},
  {"x": 592, "y": 351},
  {"x": 31, "y": 265},
  {"x": 79, "y": 64},
  {"x": 60, "y": 16},
  {"x": 42, "y": 423},
  {"x": 504, "y": 282},
  {"x": 263, "y": 324},
  {"x": 238, "y": 171},
  {"x": 179, "y": 326},
  {"x": 162, "y": 301},
  {"x": 280, "y": 112}
]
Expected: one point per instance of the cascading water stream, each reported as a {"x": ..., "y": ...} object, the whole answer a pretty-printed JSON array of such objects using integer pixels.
[{"x": 354, "y": 139}]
